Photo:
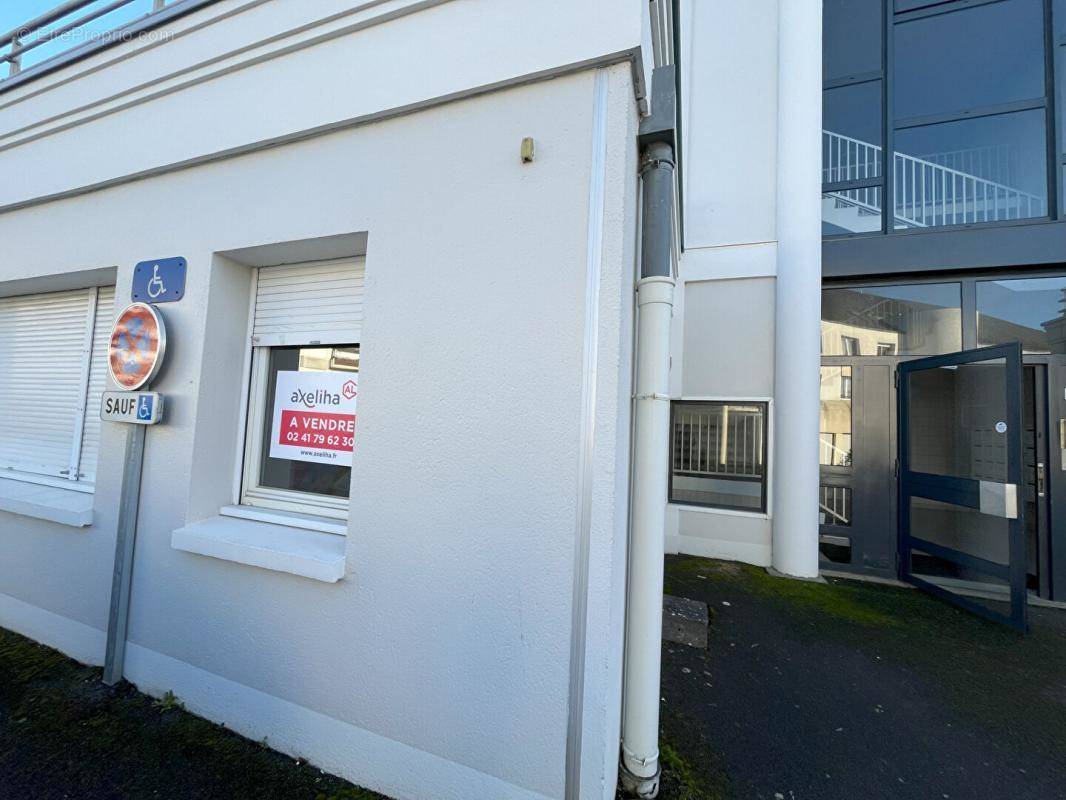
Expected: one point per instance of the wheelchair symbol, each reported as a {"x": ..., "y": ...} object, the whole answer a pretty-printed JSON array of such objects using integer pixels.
[
  {"x": 144, "y": 408},
  {"x": 155, "y": 285}
]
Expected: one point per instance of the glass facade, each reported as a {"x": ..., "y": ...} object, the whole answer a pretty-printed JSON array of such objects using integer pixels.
[
  {"x": 834, "y": 428},
  {"x": 1027, "y": 310},
  {"x": 973, "y": 57},
  {"x": 906, "y": 320},
  {"x": 968, "y": 130}
]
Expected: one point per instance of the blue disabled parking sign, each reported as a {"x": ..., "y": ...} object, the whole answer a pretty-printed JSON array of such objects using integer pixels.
[
  {"x": 159, "y": 281},
  {"x": 145, "y": 404}
]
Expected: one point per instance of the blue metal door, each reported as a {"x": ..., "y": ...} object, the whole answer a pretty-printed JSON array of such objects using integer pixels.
[{"x": 961, "y": 520}]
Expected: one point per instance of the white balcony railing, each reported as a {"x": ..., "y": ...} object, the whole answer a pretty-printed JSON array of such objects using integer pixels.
[{"x": 925, "y": 193}]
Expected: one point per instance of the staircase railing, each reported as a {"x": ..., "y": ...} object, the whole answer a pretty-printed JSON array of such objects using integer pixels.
[{"x": 924, "y": 193}]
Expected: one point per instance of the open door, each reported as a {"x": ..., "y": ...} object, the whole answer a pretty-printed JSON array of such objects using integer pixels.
[{"x": 961, "y": 520}]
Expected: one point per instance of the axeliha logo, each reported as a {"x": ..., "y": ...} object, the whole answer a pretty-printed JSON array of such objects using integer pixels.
[{"x": 316, "y": 398}]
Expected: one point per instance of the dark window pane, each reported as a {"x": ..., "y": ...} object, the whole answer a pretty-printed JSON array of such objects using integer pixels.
[
  {"x": 851, "y": 136},
  {"x": 921, "y": 319},
  {"x": 1028, "y": 310},
  {"x": 979, "y": 56},
  {"x": 835, "y": 417},
  {"x": 975, "y": 170},
  {"x": 851, "y": 37},
  {"x": 958, "y": 421},
  {"x": 718, "y": 455},
  {"x": 851, "y": 211},
  {"x": 304, "y": 476}
]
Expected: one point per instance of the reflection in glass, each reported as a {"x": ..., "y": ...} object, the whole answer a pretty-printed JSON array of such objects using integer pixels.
[
  {"x": 851, "y": 135},
  {"x": 851, "y": 36},
  {"x": 964, "y": 529},
  {"x": 981, "y": 56},
  {"x": 919, "y": 319},
  {"x": 957, "y": 424},
  {"x": 974, "y": 170},
  {"x": 834, "y": 506},
  {"x": 719, "y": 455},
  {"x": 852, "y": 211},
  {"x": 835, "y": 422},
  {"x": 1027, "y": 310}
]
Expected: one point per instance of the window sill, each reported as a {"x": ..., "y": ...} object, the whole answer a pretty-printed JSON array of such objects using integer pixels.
[
  {"x": 287, "y": 518},
  {"x": 64, "y": 506},
  {"x": 729, "y": 512},
  {"x": 267, "y": 545}
]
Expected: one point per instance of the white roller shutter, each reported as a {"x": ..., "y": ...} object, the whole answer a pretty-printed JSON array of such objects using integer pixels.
[
  {"x": 52, "y": 363},
  {"x": 314, "y": 303},
  {"x": 42, "y": 357},
  {"x": 90, "y": 438}
]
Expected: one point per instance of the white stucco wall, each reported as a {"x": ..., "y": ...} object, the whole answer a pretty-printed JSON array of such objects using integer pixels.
[
  {"x": 723, "y": 331},
  {"x": 441, "y": 665}
]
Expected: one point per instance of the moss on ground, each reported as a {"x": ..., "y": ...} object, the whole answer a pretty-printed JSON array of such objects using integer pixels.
[
  {"x": 64, "y": 734},
  {"x": 1009, "y": 684}
]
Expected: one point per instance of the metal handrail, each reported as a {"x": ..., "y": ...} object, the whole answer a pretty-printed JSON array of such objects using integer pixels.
[
  {"x": 927, "y": 193},
  {"x": 15, "y": 37}
]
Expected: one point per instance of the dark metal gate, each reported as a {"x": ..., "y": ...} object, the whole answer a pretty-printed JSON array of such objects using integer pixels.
[{"x": 961, "y": 520}]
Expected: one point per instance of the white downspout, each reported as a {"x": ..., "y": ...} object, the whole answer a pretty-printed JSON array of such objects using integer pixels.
[
  {"x": 799, "y": 283},
  {"x": 655, "y": 298}
]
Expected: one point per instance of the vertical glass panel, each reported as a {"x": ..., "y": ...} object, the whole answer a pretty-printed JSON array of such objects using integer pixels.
[
  {"x": 851, "y": 37},
  {"x": 835, "y": 421},
  {"x": 961, "y": 529},
  {"x": 851, "y": 135},
  {"x": 834, "y": 506},
  {"x": 719, "y": 454},
  {"x": 919, "y": 319},
  {"x": 978, "y": 56},
  {"x": 1027, "y": 310},
  {"x": 958, "y": 421},
  {"x": 851, "y": 211},
  {"x": 974, "y": 170},
  {"x": 305, "y": 476}
]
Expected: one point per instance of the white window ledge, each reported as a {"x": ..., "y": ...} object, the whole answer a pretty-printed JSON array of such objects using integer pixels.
[
  {"x": 267, "y": 545},
  {"x": 65, "y": 506}
]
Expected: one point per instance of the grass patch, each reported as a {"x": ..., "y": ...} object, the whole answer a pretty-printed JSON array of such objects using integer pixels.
[{"x": 63, "y": 734}]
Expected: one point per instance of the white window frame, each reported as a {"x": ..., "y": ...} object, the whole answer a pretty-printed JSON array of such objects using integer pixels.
[
  {"x": 252, "y": 493},
  {"x": 248, "y": 492},
  {"x": 71, "y": 477}
]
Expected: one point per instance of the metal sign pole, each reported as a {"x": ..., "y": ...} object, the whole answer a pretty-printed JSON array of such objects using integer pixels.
[{"x": 121, "y": 584}]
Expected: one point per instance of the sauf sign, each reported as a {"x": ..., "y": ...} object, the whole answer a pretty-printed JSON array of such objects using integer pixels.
[{"x": 314, "y": 417}]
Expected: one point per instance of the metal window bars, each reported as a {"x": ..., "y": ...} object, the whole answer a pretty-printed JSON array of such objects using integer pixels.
[
  {"x": 36, "y": 32},
  {"x": 725, "y": 441}
]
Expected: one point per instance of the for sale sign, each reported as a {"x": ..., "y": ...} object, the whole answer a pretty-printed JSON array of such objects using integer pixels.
[{"x": 314, "y": 417}]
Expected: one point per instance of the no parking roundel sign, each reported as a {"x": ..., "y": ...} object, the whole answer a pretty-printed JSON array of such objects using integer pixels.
[{"x": 138, "y": 343}]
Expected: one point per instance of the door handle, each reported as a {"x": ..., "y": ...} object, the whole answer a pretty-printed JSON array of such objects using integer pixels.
[{"x": 1040, "y": 479}]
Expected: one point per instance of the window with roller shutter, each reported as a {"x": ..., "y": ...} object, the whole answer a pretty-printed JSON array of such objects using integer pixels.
[{"x": 53, "y": 367}]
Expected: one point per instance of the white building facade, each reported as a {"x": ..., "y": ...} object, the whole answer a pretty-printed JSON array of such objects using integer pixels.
[{"x": 439, "y": 202}]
